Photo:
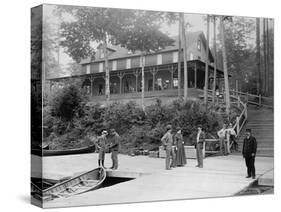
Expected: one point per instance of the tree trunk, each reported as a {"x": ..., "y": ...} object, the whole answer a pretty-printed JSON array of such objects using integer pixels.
[
  {"x": 142, "y": 81},
  {"x": 258, "y": 55},
  {"x": 184, "y": 58},
  {"x": 227, "y": 97},
  {"x": 179, "y": 60},
  {"x": 207, "y": 65},
  {"x": 107, "y": 90},
  {"x": 267, "y": 59},
  {"x": 215, "y": 59},
  {"x": 264, "y": 58}
]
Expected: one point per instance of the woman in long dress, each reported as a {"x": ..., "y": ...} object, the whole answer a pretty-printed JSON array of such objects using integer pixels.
[{"x": 180, "y": 154}]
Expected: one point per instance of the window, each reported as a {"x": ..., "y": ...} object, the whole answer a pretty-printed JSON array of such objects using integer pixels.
[
  {"x": 159, "y": 59},
  {"x": 141, "y": 61},
  {"x": 159, "y": 82},
  {"x": 175, "y": 82},
  {"x": 199, "y": 45},
  {"x": 128, "y": 63},
  {"x": 114, "y": 65},
  {"x": 88, "y": 69},
  {"x": 100, "y": 67},
  {"x": 175, "y": 57},
  {"x": 191, "y": 56},
  {"x": 101, "y": 54}
]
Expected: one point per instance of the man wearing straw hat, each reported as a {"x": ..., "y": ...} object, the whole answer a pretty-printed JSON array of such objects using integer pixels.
[
  {"x": 167, "y": 141},
  {"x": 101, "y": 146}
]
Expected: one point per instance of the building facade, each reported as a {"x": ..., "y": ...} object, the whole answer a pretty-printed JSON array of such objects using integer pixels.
[{"x": 160, "y": 73}]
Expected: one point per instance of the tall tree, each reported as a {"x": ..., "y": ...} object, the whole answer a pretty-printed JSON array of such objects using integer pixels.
[
  {"x": 144, "y": 35},
  {"x": 258, "y": 55},
  {"x": 215, "y": 58},
  {"x": 225, "y": 71},
  {"x": 265, "y": 70},
  {"x": 90, "y": 25},
  {"x": 179, "y": 57},
  {"x": 207, "y": 65},
  {"x": 185, "y": 89}
]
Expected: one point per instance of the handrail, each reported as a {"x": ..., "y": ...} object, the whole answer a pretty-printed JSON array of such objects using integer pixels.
[{"x": 243, "y": 116}]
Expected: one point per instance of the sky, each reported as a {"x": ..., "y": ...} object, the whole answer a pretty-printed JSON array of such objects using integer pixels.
[{"x": 197, "y": 22}]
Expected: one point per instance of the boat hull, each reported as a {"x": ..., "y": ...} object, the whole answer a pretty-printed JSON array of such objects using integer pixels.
[{"x": 48, "y": 152}]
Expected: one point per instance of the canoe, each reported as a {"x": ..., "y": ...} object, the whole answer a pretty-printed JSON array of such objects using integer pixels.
[
  {"x": 82, "y": 183},
  {"x": 49, "y": 152}
]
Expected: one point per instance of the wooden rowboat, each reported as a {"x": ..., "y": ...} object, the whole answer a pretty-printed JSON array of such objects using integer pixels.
[
  {"x": 49, "y": 152},
  {"x": 87, "y": 181}
]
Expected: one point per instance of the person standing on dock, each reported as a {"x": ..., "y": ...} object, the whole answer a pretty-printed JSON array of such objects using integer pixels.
[
  {"x": 101, "y": 146},
  {"x": 167, "y": 141},
  {"x": 249, "y": 153},
  {"x": 222, "y": 140},
  {"x": 180, "y": 154},
  {"x": 199, "y": 145},
  {"x": 114, "y": 148},
  {"x": 231, "y": 138}
]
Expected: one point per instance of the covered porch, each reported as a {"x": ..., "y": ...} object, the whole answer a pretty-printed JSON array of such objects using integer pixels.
[{"x": 160, "y": 80}]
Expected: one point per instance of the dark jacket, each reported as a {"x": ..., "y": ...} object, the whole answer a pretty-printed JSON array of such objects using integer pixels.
[
  {"x": 115, "y": 142},
  {"x": 249, "y": 147},
  {"x": 201, "y": 140}
]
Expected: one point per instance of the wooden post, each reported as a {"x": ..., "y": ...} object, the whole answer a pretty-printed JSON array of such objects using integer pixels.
[
  {"x": 120, "y": 75},
  {"x": 172, "y": 76},
  {"x": 237, "y": 121},
  {"x": 92, "y": 85},
  {"x": 195, "y": 75},
  {"x": 247, "y": 97},
  {"x": 238, "y": 101},
  {"x": 153, "y": 72},
  {"x": 137, "y": 77},
  {"x": 260, "y": 100}
]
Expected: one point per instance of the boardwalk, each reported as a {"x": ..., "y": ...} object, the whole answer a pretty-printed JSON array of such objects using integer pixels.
[{"x": 221, "y": 176}]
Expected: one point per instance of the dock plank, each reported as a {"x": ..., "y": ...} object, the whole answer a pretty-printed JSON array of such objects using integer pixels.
[{"x": 221, "y": 176}]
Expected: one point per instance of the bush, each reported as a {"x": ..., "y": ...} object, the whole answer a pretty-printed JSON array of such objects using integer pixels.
[
  {"x": 67, "y": 102},
  {"x": 123, "y": 116}
]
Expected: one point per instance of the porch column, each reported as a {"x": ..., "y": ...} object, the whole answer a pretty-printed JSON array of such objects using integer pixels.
[
  {"x": 92, "y": 85},
  {"x": 136, "y": 73},
  {"x": 153, "y": 72},
  {"x": 120, "y": 75},
  {"x": 195, "y": 75},
  {"x": 172, "y": 75}
]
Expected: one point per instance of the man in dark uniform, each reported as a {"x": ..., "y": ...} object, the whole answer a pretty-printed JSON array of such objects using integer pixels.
[
  {"x": 114, "y": 148},
  {"x": 249, "y": 153}
]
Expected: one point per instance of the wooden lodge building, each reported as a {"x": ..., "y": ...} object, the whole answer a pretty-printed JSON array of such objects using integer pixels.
[{"x": 160, "y": 69}]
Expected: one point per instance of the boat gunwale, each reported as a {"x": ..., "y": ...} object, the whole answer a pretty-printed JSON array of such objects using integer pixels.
[{"x": 73, "y": 178}]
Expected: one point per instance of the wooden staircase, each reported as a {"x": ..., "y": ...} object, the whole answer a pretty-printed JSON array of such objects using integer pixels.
[{"x": 261, "y": 121}]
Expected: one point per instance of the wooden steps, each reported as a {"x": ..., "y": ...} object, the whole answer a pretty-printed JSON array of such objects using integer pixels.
[{"x": 261, "y": 121}]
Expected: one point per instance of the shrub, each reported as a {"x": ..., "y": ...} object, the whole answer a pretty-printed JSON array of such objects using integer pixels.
[
  {"x": 123, "y": 116},
  {"x": 67, "y": 102}
]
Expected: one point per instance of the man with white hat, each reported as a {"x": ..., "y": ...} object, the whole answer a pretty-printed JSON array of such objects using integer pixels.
[{"x": 101, "y": 146}]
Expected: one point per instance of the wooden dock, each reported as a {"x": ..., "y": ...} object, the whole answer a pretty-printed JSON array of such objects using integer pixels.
[{"x": 221, "y": 176}]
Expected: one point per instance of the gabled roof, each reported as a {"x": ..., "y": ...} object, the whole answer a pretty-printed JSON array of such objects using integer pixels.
[{"x": 121, "y": 52}]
